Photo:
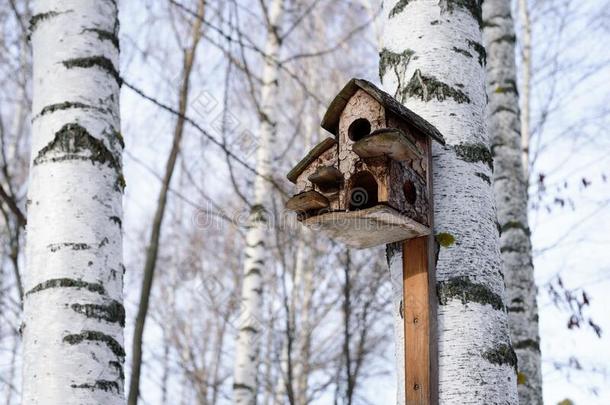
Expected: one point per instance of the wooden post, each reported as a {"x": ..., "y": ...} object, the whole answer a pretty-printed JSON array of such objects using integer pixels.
[
  {"x": 419, "y": 313},
  {"x": 416, "y": 320}
]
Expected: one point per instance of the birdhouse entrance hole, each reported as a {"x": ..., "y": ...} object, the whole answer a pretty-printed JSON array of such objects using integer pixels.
[
  {"x": 359, "y": 129},
  {"x": 363, "y": 193},
  {"x": 410, "y": 192}
]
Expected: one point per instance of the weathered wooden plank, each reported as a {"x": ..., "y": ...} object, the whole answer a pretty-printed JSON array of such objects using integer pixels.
[
  {"x": 416, "y": 310},
  {"x": 391, "y": 142},
  {"x": 366, "y": 228},
  {"x": 327, "y": 178},
  {"x": 311, "y": 156},
  {"x": 307, "y": 201}
]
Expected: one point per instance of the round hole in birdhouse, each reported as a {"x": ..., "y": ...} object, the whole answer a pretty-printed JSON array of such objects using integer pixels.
[
  {"x": 363, "y": 191},
  {"x": 410, "y": 192},
  {"x": 359, "y": 129}
]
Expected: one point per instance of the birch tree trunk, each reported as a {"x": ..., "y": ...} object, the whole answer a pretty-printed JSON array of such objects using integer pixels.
[
  {"x": 526, "y": 27},
  {"x": 73, "y": 312},
  {"x": 304, "y": 293},
  {"x": 511, "y": 196},
  {"x": 248, "y": 339},
  {"x": 432, "y": 61}
]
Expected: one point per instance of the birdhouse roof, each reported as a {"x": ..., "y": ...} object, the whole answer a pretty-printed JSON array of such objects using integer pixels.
[
  {"x": 310, "y": 158},
  {"x": 331, "y": 118}
]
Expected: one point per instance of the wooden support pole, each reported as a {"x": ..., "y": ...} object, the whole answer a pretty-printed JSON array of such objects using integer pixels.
[
  {"x": 416, "y": 307},
  {"x": 420, "y": 311}
]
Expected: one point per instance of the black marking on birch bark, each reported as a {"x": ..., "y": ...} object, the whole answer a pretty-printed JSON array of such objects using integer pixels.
[
  {"x": 527, "y": 344},
  {"x": 119, "y": 137},
  {"x": 113, "y": 312},
  {"x": 480, "y": 50},
  {"x": 392, "y": 249},
  {"x": 104, "y": 35},
  {"x": 509, "y": 87},
  {"x": 119, "y": 369},
  {"x": 117, "y": 221},
  {"x": 502, "y": 354},
  {"x": 66, "y": 105},
  {"x": 389, "y": 59},
  {"x": 473, "y": 7},
  {"x": 96, "y": 337},
  {"x": 103, "y": 242},
  {"x": 490, "y": 24},
  {"x": 465, "y": 290},
  {"x": 505, "y": 38},
  {"x": 474, "y": 152},
  {"x": 102, "y": 385},
  {"x": 513, "y": 249},
  {"x": 445, "y": 239},
  {"x": 503, "y": 108},
  {"x": 250, "y": 329},
  {"x": 101, "y": 62},
  {"x": 68, "y": 283},
  {"x": 398, "y": 8},
  {"x": 428, "y": 87},
  {"x": 239, "y": 386},
  {"x": 515, "y": 309},
  {"x": 516, "y": 225},
  {"x": 258, "y": 213},
  {"x": 71, "y": 141},
  {"x": 437, "y": 251},
  {"x": 38, "y": 18},
  {"x": 54, "y": 247},
  {"x": 483, "y": 176},
  {"x": 120, "y": 183},
  {"x": 462, "y": 51},
  {"x": 435, "y": 22},
  {"x": 253, "y": 272},
  {"x": 256, "y": 245}
]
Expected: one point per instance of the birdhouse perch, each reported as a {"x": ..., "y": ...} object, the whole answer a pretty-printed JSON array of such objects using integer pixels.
[{"x": 369, "y": 184}]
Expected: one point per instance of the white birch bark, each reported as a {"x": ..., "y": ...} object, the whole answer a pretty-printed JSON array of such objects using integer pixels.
[
  {"x": 511, "y": 196},
  {"x": 432, "y": 61},
  {"x": 73, "y": 314},
  {"x": 248, "y": 339},
  {"x": 304, "y": 287},
  {"x": 526, "y": 28}
]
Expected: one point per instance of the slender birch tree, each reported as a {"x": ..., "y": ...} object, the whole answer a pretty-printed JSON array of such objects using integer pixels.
[
  {"x": 526, "y": 84},
  {"x": 510, "y": 187},
  {"x": 433, "y": 61},
  {"x": 73, "y": 313},
  {"x": 246, "y": 357}
]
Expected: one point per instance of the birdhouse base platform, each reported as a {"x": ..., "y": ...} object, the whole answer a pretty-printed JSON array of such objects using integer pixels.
[{"x": 369, "y": 227}]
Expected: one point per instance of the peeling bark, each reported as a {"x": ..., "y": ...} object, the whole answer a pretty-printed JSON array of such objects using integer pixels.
[{"x": 476, "y": 360}]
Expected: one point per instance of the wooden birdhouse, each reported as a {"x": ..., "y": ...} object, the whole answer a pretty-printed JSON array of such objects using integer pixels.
[{"x": 370, "y": 183}]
